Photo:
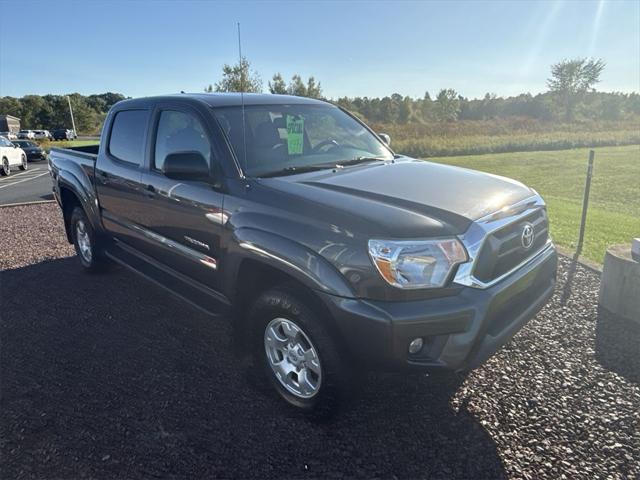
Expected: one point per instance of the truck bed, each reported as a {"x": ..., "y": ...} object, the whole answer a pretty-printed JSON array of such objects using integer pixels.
[
  {"x": 85, "y": 151},
  {"x": 78, "y": 162}
]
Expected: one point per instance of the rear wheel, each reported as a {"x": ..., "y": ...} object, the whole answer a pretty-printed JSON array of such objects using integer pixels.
[
  {"x": 23, "y": 164},
  {"x": 86, "y": 243},
  {"x": 5, "y": 170},
  {"x": 295, "y": 353}
]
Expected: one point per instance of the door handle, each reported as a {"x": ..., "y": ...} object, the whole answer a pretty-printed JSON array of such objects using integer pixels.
[{"x": 103, "y": 176}]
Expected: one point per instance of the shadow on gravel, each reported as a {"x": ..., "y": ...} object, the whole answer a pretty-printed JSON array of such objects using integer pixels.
[
  {"x": 568, "y": 287},
  {"x": 617, "y": 344},
  {"x": 107, "y": 376}
]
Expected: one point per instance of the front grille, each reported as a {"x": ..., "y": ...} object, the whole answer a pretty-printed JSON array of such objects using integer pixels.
[{"x": 503, "y": 250}]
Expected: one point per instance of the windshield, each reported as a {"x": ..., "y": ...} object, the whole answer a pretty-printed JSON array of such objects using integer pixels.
[
  {"x": 283, "y": 138},
  {"x": 24, "y": 144}
]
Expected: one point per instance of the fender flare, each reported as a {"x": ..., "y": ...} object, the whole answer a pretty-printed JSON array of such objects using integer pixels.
[
  {"x": 286, "y": 255},
  {"x": 84, "y": 193}
]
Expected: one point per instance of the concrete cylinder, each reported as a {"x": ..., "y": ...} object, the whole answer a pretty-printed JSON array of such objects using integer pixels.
[{"x": 620, "y": 283}]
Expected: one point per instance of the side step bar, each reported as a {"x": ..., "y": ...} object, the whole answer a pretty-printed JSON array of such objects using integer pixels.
[{"x": 197, "y": 295}]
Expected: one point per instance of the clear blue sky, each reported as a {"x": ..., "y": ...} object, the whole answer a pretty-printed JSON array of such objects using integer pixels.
[{"x": 359, "y": 48}]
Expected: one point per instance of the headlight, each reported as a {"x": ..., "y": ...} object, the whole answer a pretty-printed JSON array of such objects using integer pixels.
[{"x": 413, "y": 264}]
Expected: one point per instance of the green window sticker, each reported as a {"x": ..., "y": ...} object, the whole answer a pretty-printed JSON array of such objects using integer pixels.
[{"x": 295, "y": 129}]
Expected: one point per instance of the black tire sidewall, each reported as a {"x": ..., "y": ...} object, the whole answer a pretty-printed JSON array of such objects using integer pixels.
[
  {"x": 94, "y": 264},
  {"x": 287, "y": 303},
  {"x": 5, "y": 169}
]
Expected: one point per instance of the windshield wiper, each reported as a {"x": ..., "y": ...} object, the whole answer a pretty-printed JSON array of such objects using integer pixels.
[
  {"x": 357, "y": 160},
  {"x": 295, "y": 170}
]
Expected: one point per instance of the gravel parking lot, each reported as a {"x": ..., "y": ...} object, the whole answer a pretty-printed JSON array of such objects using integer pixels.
[{"x": 109, "y": 377}]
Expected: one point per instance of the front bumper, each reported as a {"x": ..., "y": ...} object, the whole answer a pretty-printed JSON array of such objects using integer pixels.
[{"x": 460, "y": 332}]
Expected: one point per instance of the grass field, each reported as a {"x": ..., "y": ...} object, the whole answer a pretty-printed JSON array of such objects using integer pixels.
[
  {"x": 559, "y": 176},
  {"x": 67, "y": 143},
  {"x": 478, "y": 137}
]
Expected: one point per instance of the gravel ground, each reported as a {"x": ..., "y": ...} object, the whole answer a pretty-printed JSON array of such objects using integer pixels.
[
  {"x": 108, "y": 377},
  {"x": 31, "y": 234}
]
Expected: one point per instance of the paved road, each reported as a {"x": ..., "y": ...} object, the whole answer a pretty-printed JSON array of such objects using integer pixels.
[{"x": 30, "y": 186}]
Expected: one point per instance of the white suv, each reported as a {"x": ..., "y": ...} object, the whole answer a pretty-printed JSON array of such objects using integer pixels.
[
  {"x": 26, "y": 134},
  {"x": 11, "y": 156},
  {"x": 39, "y": 134}
]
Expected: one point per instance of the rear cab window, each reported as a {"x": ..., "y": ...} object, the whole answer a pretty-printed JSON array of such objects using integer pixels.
[{"x": 128, "y": 134}]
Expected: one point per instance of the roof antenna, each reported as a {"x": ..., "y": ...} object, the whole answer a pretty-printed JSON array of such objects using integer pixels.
[{"x": 244, "y": 128}]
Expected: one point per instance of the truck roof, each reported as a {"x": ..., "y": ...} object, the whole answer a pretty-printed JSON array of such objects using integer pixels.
[{"x": 225, "y": 99}]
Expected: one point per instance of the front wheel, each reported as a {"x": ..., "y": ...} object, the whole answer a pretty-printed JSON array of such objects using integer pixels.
[
  {"x": 5, "y": 169},
  {"x": 23, "y": 163},
  {"x": 85, "y": 242},
  {"x": 296, "y": 353}
]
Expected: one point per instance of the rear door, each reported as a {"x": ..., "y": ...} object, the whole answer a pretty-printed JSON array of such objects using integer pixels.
[
  {"x": 184, "y": 219},
  {"x": 119, "y": 172}
]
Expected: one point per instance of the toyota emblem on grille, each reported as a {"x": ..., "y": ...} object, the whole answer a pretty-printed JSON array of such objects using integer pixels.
[{"x": 527, "y": 236}]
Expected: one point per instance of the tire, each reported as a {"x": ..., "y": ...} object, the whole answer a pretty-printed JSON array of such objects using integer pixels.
[
  {"x": 287, "y": 331},
  {"x": 86, "y": 243},
  {"x": 24, "y": 164},
  {"x": 5, "y": 169}
]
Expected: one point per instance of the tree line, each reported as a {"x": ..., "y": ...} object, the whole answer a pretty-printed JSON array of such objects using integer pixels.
[
  {"x": 52, "y": 111},
  {"x": 571, "y": 96}
]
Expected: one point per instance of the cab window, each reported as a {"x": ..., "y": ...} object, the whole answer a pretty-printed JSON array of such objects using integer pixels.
[
  {"x": 180, "y": 132},
  {"x": 127, "y": 138}
]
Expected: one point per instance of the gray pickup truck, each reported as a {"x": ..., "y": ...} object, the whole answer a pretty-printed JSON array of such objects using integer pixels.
[{"x": 329, "y": 252}]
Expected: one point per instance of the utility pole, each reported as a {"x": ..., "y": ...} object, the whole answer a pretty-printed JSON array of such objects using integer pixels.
[{"x": 73, "y": 122}]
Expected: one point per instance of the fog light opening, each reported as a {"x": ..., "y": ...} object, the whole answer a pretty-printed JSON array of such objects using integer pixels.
[{"x": 416, "y": 345}]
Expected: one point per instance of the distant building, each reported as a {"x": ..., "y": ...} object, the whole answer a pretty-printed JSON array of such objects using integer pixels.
[{"x": 9, "y": 124}]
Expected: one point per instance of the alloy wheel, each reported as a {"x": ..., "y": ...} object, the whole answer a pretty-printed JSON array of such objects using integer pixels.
[
  {"x": 293, "y": 358},
  {"x": 84, "y": 241}
]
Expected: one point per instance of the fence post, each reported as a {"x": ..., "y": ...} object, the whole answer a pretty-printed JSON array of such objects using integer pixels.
[{"x": 585, "y": 203}]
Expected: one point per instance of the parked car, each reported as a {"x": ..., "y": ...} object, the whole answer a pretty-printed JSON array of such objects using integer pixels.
[
  {"x": 63, "y": 134},
  {"x": 11, "y": 156},
  {"x": 330, "y": 253},
  {"x": 9, "y": 135},
  {"x": 42, "y": 134},
  {"x": 26, "y": 135},
  {"x": 33, "y": 151}
]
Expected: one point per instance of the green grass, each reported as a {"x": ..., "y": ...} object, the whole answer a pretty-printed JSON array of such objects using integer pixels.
[
  {"x": 515, "y": 134},
  {"x": 47, "y": 145},
  {"x": 512, "y": 142},
  {"x": 559, "y": 176}
]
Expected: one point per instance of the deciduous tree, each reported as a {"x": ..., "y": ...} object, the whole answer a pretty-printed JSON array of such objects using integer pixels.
[
  {"x": 297, "y": 87},
  {"x": 571, "y": 79},
  {"x": 239, "y": 77},
  {"x": 277, "y": 84},
  {"x": 447, "y": 105}
]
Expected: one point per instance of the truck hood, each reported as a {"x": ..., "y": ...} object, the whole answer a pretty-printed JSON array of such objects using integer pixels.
[{"x": 445, "y": 198}]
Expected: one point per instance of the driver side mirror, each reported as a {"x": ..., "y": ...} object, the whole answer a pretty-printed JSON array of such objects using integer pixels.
[
  {"x": 185, "y": 166},
  {"x": 385, "y": 138}
]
